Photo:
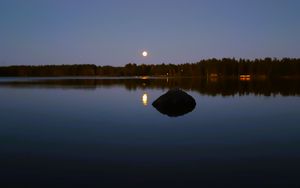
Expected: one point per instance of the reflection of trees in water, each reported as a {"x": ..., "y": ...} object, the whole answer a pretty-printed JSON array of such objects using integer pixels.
[{"x": 225, "y": 87}]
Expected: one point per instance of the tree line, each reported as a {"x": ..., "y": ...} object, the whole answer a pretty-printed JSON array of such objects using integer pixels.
[{"x": 210, "y": 68}]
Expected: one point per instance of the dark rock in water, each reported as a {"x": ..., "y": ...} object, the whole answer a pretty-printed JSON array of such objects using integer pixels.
[{"x": 175, "y": 103}]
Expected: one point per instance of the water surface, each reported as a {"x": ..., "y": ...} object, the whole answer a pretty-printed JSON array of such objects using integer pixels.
[{"x": 105, "y": 132}]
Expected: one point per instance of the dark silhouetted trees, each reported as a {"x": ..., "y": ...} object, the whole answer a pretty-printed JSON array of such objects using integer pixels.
[{"x": 210, "y": 68}]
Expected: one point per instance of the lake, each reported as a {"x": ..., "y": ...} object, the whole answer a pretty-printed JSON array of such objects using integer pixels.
[{"x": 104, "y": 132}]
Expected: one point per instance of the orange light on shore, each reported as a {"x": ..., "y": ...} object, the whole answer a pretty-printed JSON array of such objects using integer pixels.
[{"x": 245, "y": 77}]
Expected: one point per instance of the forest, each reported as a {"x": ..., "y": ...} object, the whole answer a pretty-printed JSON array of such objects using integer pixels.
[{"x": 210, "y": 68}]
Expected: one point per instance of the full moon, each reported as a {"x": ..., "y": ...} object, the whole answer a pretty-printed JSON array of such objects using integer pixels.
[{"x": 145, "y": 53}]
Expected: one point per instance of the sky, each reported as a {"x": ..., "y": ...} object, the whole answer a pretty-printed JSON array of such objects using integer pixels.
[{"x": 116, "y": 32}]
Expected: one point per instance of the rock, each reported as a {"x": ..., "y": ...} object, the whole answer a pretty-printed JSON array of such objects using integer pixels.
[{"x": 175, "y": 103}]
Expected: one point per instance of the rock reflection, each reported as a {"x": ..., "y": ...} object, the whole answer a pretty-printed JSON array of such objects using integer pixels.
[{"x": 175, "y": 103}]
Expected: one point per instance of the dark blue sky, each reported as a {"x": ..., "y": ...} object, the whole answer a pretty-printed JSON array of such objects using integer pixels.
[{"x": 115, "y": 32}]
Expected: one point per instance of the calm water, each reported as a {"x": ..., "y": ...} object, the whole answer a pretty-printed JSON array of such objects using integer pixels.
[{"x": 105, "y": 132}]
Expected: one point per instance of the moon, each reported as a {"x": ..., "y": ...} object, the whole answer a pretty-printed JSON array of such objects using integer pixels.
[{"x": 145, "y": 53}]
